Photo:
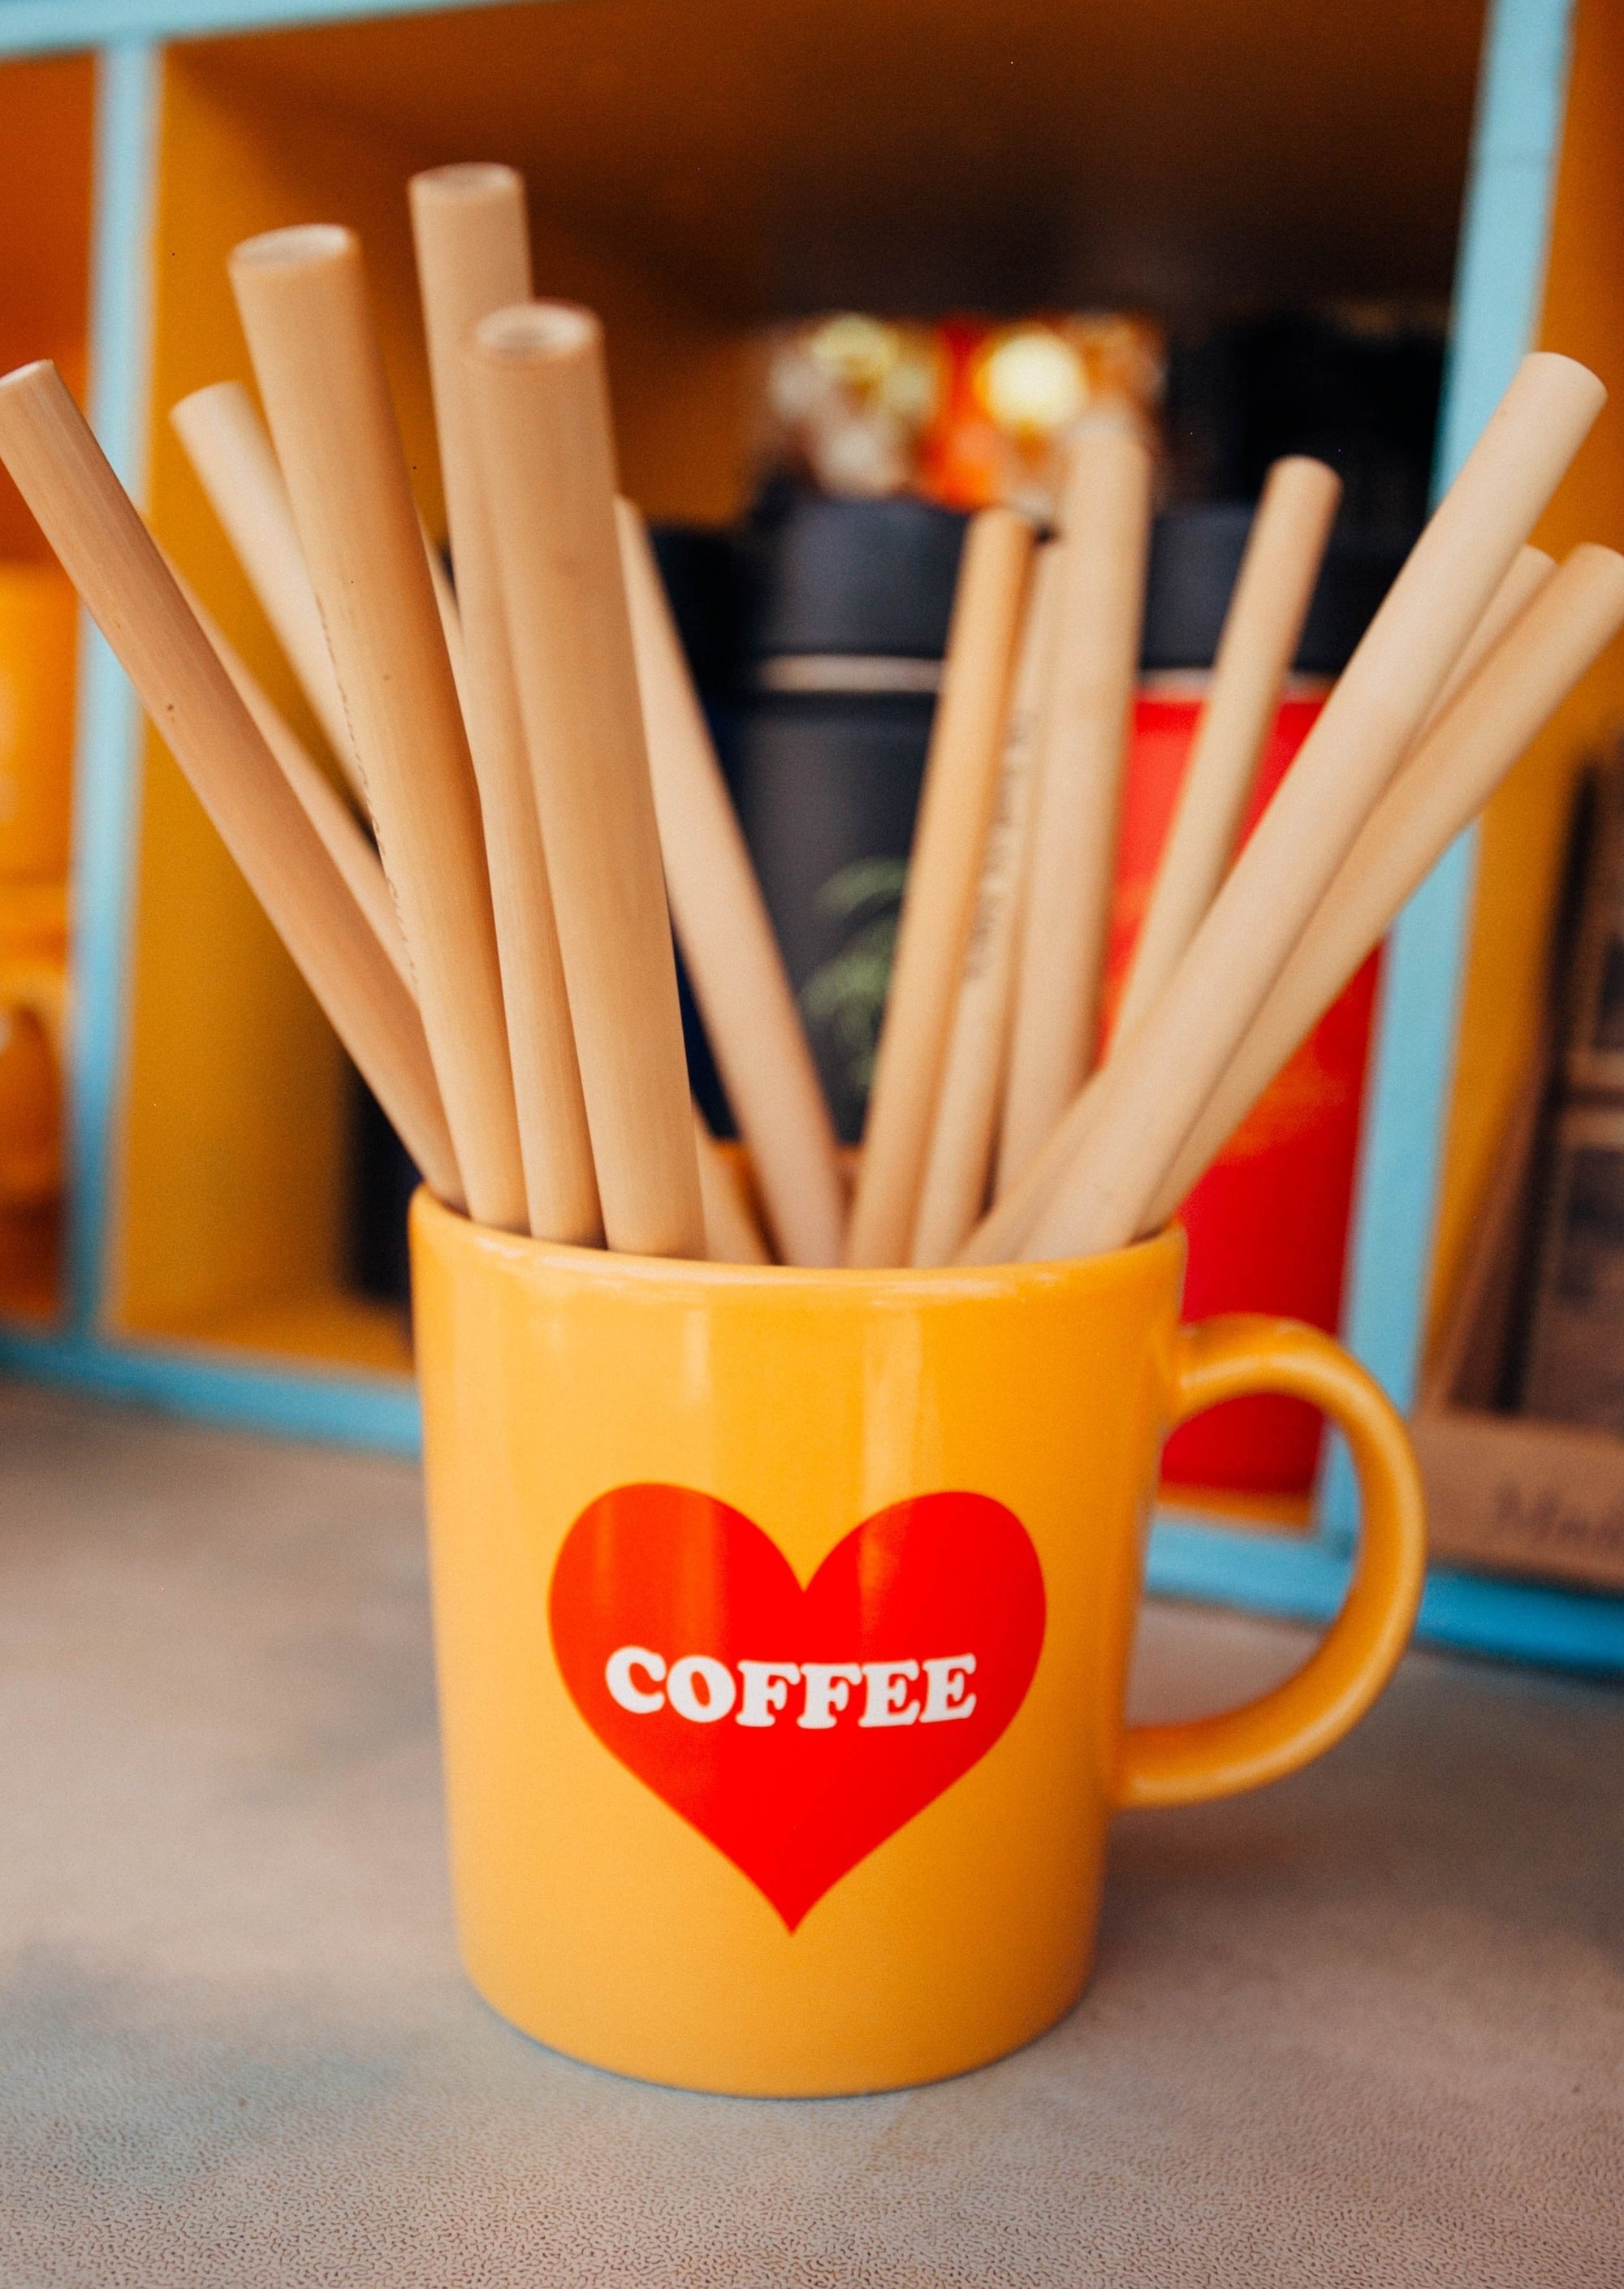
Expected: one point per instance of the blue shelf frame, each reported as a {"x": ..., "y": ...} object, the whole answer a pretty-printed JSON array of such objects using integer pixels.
[{"x": 1515, "y": 145}]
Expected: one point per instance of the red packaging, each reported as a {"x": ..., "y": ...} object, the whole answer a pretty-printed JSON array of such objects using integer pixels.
[{"x": 1269, "y": 1222}]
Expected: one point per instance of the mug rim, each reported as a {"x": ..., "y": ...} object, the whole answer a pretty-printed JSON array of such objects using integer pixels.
[{"x": 603, "y": 1268}]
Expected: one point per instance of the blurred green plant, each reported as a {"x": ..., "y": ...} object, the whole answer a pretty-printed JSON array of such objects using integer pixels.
[{"x": 844, "y": 999}]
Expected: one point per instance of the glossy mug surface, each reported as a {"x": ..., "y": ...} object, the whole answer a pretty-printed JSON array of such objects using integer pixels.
[{"x": 782, "y": 1622}]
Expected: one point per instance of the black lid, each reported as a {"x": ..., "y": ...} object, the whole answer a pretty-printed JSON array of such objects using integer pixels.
[
  {"x": 1195, "y": 556},
  {"x": 855, "y": 577}
]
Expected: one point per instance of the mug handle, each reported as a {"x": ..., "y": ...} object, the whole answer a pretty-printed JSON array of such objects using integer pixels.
[{"x": 1242, "y": 1749}]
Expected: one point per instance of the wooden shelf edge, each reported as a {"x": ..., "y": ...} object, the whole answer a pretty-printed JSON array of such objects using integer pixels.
[
  {"x": 1545, "y": 1627},
  {"x": 331, "y": 1406}
]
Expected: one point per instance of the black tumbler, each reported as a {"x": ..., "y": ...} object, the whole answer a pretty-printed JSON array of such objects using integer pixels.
[{"x": 845, "y": 608}]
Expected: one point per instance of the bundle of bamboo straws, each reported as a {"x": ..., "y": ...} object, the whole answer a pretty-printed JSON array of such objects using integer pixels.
[{"x": 534, "y": 765}]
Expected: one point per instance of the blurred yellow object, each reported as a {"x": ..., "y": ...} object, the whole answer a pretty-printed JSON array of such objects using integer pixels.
[
  {"x": 33, "y": 1014},
  {"x": 1032, "y": 380},
  {"x": 38, "y": 620},
  {"x": 852, "y": 396},
  {"x": 1022, "y": 394},
  {"x": 966, "y": 412}
]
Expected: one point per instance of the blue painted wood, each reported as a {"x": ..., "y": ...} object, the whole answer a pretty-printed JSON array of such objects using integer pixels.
[
  {"x": 109, "y": 727},
  {"x": 1305, "y": 1580},
  {"x": 1505, "y": 232},
  {"x": 46, "y": 27},
  {"x": 344, "y": 1409}
]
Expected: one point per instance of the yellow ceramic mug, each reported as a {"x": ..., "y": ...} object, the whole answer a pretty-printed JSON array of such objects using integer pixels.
[{"x": 782, "y": 1623}]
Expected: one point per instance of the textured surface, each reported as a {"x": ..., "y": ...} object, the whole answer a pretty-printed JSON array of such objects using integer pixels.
[{"x": 1367, "y": 2026}]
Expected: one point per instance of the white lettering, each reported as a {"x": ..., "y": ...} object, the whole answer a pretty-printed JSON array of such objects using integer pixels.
[
  {"x": 704, "y": 1690},
  {"x": 828, "y": 1685},
  {"x": 766, "y": 1688},
  {"x": 682, "y": 1688},
  {"x": 946, "y": 1697},
  {"x": 623, "y": 1687},
  {"x": 887, "y": 1702}
]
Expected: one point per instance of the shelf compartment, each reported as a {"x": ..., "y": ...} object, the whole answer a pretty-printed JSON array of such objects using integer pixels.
[{"x": 743, "y": 166}]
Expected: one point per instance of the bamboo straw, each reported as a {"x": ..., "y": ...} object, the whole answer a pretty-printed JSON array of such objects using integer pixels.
[
  {"x": 538, "y": 402},
  {"x": 731, "y": 1233},
  {"x": 225, "y": 443},
  {"x": 233, "y": 459},
  {"x": 302, "y": 298},
  {"x": 1153, "y": 1094},
  {"x": 1531, "y": 568},
  {"x": 1261, "y": 630},
  {"x": 473, "y": 256},
  {"x": 961, "y": 1140},
  {"x": 960, "y": 785},
  {"x": 115, "y": 564},
  {"x": 1105, "y": 522},
  {"x": 727, "y": 938},
  {"x": 1444, "y": 784},
  {"x": 1000, "y": 1235},
  {"x": 450, "y": 617},
  {"x": 343, "y": 838}
]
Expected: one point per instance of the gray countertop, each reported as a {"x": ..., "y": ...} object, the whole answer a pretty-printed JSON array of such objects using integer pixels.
[{"x": 1367, "y": 2027}]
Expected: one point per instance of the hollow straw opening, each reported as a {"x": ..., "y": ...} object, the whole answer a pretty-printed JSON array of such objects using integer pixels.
[
  {"x": 531, "y": 331},
  {"x": 21, "y": 375},
  {"x": 294, "y": 249},
  {"x": 469, "y": 179}
]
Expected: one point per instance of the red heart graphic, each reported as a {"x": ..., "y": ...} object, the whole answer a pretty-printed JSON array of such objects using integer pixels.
[{"x": 796, "y": 1728}]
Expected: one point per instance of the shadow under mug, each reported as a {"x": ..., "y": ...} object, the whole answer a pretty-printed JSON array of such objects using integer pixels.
[{"x": 783, "y": 1623}]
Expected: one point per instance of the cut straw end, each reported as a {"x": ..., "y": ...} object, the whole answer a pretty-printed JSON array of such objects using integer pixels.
[
  {"x": 303, "y": 247},
  {"x": 539, "y": 333},
  {"x": 21, "y": 377},
  {"x": 469, "y": 182}
]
